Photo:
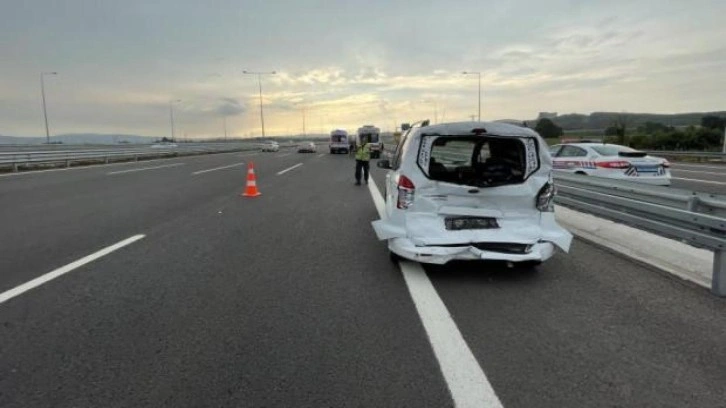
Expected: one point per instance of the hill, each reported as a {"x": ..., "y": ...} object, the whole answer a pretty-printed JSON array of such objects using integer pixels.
[{"x": 602, "y": 120}]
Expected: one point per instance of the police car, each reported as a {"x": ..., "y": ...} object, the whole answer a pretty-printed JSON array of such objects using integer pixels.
[{"x": 610, "y": 161}]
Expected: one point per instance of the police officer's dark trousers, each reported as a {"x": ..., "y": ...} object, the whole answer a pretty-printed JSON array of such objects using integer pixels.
[{"x": 364, "y": 166}]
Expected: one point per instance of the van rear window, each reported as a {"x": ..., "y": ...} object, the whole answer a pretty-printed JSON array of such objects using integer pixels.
[
  {"x": 372, "y": 137},
  {"x": 478, "y": 161}
]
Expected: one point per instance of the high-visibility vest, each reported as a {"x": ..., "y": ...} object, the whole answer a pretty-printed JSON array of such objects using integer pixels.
[{"x": 363, "y": 152}]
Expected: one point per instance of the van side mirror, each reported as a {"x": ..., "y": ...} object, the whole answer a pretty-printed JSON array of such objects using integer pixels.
[{"x": 384, "y": 163}]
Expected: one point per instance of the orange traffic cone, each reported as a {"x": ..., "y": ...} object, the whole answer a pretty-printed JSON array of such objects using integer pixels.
[{"x": 251, "y": 190}]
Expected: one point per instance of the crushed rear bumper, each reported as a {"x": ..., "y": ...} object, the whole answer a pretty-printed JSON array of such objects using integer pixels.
[{"x": 539, "y": 252}]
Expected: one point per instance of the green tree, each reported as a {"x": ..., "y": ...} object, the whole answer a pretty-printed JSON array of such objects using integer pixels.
[
  {"x": 547, "y": 129},
  {"x": 713, "y": 122}
]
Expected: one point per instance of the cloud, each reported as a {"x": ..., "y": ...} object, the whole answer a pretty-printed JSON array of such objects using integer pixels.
[
  {"x": 560, "y": 55},
  {"x": 229, "y": 107}
]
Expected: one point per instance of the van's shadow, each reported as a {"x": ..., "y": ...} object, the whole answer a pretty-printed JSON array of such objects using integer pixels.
[{"x": 482, "y": 272}]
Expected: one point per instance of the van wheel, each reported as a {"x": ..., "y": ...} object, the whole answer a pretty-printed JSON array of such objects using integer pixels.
[{"x": 581, "y": 173}]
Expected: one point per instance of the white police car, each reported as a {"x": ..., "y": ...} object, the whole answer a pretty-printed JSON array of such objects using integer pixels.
[{"x": 610, "y": 161}]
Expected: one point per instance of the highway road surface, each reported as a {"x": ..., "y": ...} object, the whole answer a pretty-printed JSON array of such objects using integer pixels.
[
  {"x": 154, "y": 284},
  {"x": 709, "y": 178}
]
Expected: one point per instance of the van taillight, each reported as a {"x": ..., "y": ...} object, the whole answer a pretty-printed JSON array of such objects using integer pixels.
[
  {"x": 545, "y": 197},
  {"x": 406, "y": 191}
]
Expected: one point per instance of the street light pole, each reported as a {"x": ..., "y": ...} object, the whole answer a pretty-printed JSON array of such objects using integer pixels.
[
  {"x": 45, "y": 111},
  {"x": 224, "y": 121},
  {"x": 259, "y": 81},
  {"x": 478, "y": 74},
  {"x": 171, "y": 116}
]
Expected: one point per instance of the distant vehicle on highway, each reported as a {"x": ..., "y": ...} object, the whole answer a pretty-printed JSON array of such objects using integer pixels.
[
  {"x": 470, "y": 191},
  {"x": 163, "y": 145},
  {"x": 271, "y": 147},
  {"x": 610, "y": 161},
  {"x": 307, "y": 148},
  {"x": 339, "y": 141},
  {"x": 374, "y": 139}
]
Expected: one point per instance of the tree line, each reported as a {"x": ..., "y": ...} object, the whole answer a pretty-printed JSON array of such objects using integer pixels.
[{"x": 654, "y": 135}]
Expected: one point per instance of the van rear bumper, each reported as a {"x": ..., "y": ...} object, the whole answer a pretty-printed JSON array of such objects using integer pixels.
[{"x": 538, "y": 252}]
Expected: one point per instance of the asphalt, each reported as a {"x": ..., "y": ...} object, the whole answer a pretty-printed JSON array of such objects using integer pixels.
[
  {"x": 288, "y": 299},
  {"x": 708, "y": 178}
]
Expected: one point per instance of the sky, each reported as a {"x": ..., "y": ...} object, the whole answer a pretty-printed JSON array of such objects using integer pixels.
[{"x": 344, "y": 64}]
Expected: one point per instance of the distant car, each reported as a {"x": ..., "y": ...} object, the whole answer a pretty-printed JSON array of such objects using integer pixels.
[
  {"x": 307, "y": 148},
  {"x": 271, "y": 147},
  {"x": 610, "y": 161},
  {"x": 470, "y": 191},
  {"x": 164, "y": 145}
]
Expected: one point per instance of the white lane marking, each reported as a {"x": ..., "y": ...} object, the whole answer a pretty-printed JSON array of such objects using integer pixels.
[
  {"x": 699, "y": 171},
  {"x": 321, "y": 155},
  {"x": 283, "y": 155},
  {"x": 145, "y": 168},
  {"x": 700, "y": 181},
  {"x": 218, "y": 168},
  {"x": 18, "y": 290},
  {"x": 289, "y": 168},
  {"x": 466, "y": 380}
]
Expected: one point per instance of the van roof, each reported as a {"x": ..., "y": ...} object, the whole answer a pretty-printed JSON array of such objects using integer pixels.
[{"x": 466, "y": 128}]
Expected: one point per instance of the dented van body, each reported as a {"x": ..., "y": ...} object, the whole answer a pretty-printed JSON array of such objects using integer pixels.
[{"x": 471, "y": 191}]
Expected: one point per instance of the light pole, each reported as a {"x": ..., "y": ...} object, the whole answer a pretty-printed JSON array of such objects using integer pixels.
[
  {"x": 478, "y": 74},
  {"x": 303, "y": 113},
  {"x": 224, "y": 121},
  {"x": 171, "y": 115},
  {"x": 436, "y": 109},
  {"x": 259, "y": 81},
  {"x": 45, "y": 111}
]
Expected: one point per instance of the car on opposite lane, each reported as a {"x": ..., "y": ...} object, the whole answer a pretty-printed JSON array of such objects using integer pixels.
[
  {"x": 307, "y": 148},
  {"x": 610, "y": 161},
  {"x": 470, "y": 191}
]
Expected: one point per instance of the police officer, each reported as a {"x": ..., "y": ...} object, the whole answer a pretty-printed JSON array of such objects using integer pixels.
[{"x": 362, "y": 159}]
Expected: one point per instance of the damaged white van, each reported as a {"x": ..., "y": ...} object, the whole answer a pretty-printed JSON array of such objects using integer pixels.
[{"x": 471, "y": 191}]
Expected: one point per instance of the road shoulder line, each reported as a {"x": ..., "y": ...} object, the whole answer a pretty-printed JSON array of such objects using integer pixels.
[{"x": 468, "y": 385}]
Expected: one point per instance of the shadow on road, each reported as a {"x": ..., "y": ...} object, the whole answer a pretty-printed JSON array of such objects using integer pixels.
[{"x": 482, "y": 272}]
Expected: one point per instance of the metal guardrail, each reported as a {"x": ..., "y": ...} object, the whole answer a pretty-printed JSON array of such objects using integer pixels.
[
  {"x": 15, "y": 160},
  {"x": 697, "y": 219},
  {"x": 710, "y": 156}
]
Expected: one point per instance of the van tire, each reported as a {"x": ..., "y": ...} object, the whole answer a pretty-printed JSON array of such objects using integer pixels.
[
  {"x": 581, "y": 173},
  {"x": 394, "y": 257}
]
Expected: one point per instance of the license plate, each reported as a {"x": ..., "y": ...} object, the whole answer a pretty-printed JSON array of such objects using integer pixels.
[{"x": 470, "y": 223}]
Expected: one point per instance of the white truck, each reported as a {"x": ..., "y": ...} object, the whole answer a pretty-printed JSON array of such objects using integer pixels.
[
  {"x": 339, "y": 141},
  {"x": 374, "y": 139}
]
